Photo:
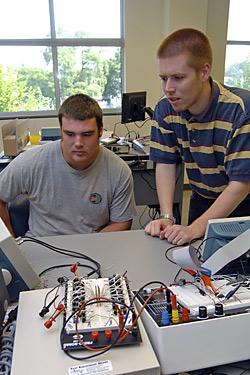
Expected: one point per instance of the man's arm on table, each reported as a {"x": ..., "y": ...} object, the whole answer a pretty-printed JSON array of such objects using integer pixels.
[
  {"x": 165, "y": 183},
  {"x": 118, "y": 226},
  {"x": 228, "y": 200},
  {"x": 4, "y": 214}
]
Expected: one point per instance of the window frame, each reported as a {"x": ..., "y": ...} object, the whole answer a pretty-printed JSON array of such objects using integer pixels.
[
  {"x": 54, "y": 43},
  {"x": 234, "y": 42}
]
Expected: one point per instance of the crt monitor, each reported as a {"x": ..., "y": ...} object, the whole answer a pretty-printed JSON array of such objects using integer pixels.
[
  {"x": 17, "y": 272},
  {"x": 219, "y": 232},
  {"x": 133, "y": 106}
]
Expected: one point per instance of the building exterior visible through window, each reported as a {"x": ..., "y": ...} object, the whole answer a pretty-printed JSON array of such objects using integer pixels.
[
  {"x": 237, "y": 65},
  {"x": 51, "y": 49}
]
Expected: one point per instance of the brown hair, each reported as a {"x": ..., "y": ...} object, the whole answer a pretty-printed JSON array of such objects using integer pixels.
[
  {"x": 80, "y": 107},
  {"x": 190, "y": 41}
]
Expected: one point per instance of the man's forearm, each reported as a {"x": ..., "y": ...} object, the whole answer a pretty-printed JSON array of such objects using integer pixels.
[
  {"x": 4, "y": 214},
  {"x": 165, "y": 182},
  {"x": 226, "y": 203},
  {"x": 117, "y": 226}
]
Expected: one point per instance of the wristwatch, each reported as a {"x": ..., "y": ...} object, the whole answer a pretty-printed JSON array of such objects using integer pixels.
[{"x": 167, "y": 216}]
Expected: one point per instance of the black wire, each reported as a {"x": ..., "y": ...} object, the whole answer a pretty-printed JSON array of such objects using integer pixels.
[
  {"x": 115, "y": 125},
  {"x": 68, "y": 265},
  {"x": 147, "y": 284},
  {"x": 48, "y": 293},
  {"x": 144, "y": 122},
  {"x": 151, "y": 174},
  {"x": 241, "y": 373},
  {"x": 128, "y": 134},
  {"x": 239, "y": 367},
  {"x": 66, "y": 252},
  {"x": 175, "y": 278},
  {"x": 166, "y": 253},
  {"x": 119, "y": 123},
  {"x": 145, "y": 180},
  {"x": 156, "y": 211},
  {"x": 206, "y": 239},
  {"x": 59, "y": 249},
  {"x": 122, "y": 327},
  {"x": 140, "y": 218},
  {"x": 116, "y": 339}
]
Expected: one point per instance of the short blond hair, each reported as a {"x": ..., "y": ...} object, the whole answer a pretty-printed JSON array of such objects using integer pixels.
[{"x": 187, "y": 41}]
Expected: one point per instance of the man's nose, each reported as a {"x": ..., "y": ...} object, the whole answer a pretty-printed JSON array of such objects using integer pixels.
[
  {"x": 78, "y": 140},
  {"x": 168, "y": 86}
]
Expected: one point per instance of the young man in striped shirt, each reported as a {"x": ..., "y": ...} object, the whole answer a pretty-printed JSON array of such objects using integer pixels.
[{"x": 205, "y": 125}]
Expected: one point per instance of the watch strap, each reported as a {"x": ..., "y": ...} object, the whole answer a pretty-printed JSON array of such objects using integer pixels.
[{"x": 167, "y": 216}]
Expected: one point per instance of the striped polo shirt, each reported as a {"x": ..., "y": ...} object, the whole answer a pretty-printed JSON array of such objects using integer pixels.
[{"x": 214, "y": 145}]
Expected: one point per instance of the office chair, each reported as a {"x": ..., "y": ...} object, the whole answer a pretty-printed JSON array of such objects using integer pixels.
[{"x": 19, "y": 215}]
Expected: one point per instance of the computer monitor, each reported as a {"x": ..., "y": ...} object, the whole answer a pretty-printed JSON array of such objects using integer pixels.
[
  {"x": 133, "y": 106},
  {"x": 17, "y": 272},
  {"x": 219, "y": 232}
]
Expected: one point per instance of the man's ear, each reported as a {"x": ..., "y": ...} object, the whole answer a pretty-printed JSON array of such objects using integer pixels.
[
  {"x": 206, "y": 72},
  {"x": 100, "y": 132}
]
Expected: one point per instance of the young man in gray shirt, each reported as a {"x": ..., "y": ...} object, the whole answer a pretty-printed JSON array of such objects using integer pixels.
[{"x": 74, "y": 185}]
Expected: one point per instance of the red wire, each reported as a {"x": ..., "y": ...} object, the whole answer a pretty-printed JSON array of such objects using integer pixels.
[
  {"x": 123, "y": 335},
  {"x": 99, "y": 300},
  {"x": 139, "y": 313}
]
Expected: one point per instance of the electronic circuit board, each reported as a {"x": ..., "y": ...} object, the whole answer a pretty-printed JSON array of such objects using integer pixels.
[
  {"x": 97, "y": 313},
  {"x": 231, "y": 293},
  {"x": 192, "y": 297}
]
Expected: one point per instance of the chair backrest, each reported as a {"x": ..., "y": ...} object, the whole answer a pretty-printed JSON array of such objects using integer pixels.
[{"x": 19, "y": 215}]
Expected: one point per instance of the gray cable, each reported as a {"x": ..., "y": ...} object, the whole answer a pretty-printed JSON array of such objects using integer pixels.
[{"x": 7, "y": 343}]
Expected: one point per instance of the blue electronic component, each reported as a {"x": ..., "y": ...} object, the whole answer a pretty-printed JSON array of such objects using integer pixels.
[
  {"x": 157, "y": 307},
  {"x": 165, "y": 318}
]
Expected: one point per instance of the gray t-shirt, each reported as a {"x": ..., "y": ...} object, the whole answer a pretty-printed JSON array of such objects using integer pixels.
[{"x": 64, "y": 200}]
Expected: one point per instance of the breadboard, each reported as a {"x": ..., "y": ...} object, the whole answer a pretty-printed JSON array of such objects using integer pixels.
[
  {"x": 100, "y": 315},
  {"x": 95, "y": 307},
  {"x": 190, "y": 296}
]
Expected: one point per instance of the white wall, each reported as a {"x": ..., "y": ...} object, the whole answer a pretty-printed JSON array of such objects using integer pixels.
[{"x": 147, "y": 22}]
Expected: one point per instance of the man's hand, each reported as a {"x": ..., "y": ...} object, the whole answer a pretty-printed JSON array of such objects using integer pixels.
[
  {"x": 178, "y": 234},
  {"x": 156, "y": 227}
]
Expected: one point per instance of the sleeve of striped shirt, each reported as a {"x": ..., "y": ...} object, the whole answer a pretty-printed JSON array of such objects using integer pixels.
[{"x": 237, "y": 159}]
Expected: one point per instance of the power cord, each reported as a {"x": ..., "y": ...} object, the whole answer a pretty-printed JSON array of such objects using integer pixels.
[{"x": 96, "y": 268}]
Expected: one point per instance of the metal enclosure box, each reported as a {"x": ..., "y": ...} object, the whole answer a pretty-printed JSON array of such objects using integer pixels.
[{"x": 199, "y": 344}]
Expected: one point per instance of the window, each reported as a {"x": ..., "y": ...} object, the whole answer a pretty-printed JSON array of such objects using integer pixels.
[
  {"x": 51, "y": 49},
  {"x": 237, "y": 67}
]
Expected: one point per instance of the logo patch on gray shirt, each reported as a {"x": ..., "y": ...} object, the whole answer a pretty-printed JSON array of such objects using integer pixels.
[{"x": 95, "y": 198}]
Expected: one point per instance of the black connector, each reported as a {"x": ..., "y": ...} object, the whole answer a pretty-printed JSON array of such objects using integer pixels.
[
  {"x": 44, "y": 311},
  {"x": 232, "y": 292}
]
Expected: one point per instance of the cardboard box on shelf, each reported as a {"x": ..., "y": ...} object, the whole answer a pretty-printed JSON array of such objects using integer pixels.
[{"x": 15, "y": 135}]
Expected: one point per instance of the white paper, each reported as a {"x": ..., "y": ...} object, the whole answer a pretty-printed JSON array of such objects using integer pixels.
[{"x": 91, "y": 368}]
